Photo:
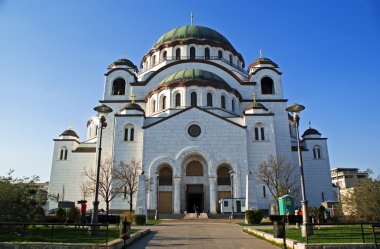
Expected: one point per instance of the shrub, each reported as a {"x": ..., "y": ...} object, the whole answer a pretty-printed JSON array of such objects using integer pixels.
[
  {"x": 254, "y": 216},
  {"x": 61, "y": 213},
  {"x": 129, "y": 215},
  {"x": 140, "y": 219},
  {"x": 74, "y": 214}
]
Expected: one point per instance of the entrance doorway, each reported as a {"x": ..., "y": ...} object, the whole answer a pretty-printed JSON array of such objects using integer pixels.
[{"x": 194, "y": 198}]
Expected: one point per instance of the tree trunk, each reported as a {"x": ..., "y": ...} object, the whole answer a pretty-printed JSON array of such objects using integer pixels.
[
  {"x": 130, "y": 202},
  {"x": 107, "y": 207}
]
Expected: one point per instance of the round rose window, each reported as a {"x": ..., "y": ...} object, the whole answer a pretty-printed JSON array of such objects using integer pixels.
[{"x": 194, "y": 130}]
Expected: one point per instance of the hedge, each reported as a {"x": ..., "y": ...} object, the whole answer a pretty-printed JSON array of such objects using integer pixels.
[{"x": 254, "y": 216}]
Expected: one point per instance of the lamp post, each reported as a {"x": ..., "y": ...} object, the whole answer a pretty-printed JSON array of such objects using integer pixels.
[
  {"x": 156, "y": 217},
  {"x": 102, "y": 110},
  {"x": 295, "y": 109},
  {"x": 232, "y": 191}
]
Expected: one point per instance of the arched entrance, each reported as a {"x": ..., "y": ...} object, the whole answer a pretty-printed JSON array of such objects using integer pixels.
[
  {"x": 195, "y": 185},
  {"x": 223, "y": 181},
  {"x": 165, "y": 192}
]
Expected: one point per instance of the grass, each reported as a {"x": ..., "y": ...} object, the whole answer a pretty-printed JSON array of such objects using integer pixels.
[
  {"x": 60, "y": 234},
  {"x": 263, "y": 238},
  {"x": 331, "y": 234},
  {"x": 152, "y": 222}
]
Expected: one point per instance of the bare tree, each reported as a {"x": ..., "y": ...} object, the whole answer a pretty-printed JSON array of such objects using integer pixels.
[
  {"x": 128, "y": 177},
  {"x": 109, "y": 186},
  {"x": 86, "y": 189},
  {"x": 277, "y": 174}
]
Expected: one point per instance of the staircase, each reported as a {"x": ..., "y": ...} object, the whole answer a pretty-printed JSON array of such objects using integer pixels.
[{"x": 193, "y": 216}]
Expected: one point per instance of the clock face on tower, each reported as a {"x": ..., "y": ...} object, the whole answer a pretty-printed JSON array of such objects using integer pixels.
[{"x": 194, "y": 130}]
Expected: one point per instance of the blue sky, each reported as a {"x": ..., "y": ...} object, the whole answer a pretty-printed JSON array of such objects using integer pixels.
[{"x": 53, "y": 55}]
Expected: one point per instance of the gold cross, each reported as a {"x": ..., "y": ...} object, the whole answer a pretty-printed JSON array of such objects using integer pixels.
[
  {"x": 191, "y": 19},
  {"x": 133, "y": 97},
  {"x": 261, "y": 53},
  {"x": 124, "y": 55},
  {"x": 70, "y": 126}
]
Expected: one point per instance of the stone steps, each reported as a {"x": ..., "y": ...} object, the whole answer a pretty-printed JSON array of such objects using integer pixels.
[{"x": 193, "y": 216}]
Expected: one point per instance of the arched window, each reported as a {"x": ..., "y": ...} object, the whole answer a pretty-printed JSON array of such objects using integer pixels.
[
  {"x": 193, "y": 97},
  {"x": 259, "y": 132},
  {"x": 233, "y": 105},
  {"x": 178, "y": 99},
  {"x": 96, "y": 130},
  {"x": 118, "y": 87},
  {"x": 231, "y": 58},
  {"x": 154, "y": 60},
  {"x": 129, "y": 133},
  {"x": 178, "y": 54},
  {"x": 223, "y": 102},
  {"x": 207, "y": 53},
  {"x": 126, "y": 131},
  {"x": 317, "y": 152},
  {"x": 223, "y": 176},
  {"x": 165, "y": 177},
  {"x": 153, "y": 106},
  {"x": 267, "y": 86},
  {"x": 194, "y": 168},
  {"x": 164, "y": 55},
  {"x": 209, "y": 99},
  {"x": 220, "y": 54},
  {"x": 192, "y": 53},
  {"x": 163, "y": 103},
  {"x": 63, "y": 153}
]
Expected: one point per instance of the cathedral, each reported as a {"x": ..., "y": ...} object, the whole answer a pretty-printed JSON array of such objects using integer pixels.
[{"x": 199, "y": 122}]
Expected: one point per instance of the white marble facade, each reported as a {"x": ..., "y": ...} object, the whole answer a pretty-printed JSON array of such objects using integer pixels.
[{"x": 192, "y": 118}]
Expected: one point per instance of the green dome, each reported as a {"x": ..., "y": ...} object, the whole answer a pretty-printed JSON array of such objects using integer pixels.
[
  {"x": 193, "y": 32},
  {"x": 193, "y": 75}
]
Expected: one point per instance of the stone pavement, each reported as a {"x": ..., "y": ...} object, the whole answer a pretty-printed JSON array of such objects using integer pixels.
[{"x": 194, "y": 235}]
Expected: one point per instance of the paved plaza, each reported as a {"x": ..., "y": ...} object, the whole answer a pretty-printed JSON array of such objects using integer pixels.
[{"x": 194, "y": 235}]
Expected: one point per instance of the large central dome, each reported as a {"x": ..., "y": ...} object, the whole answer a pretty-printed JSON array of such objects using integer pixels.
[{"x": 192, "y": 32}]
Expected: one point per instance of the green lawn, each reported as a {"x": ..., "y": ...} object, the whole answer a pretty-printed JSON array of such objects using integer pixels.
[
  {"x": 61, "y": 234},
  {"x": 332, "y": 234}
]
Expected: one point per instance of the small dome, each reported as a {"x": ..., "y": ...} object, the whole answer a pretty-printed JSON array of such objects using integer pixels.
[
  {"x": 69, "y": 132},
  {"x": 256, "y": 105},
  {"x": 132, "y": 106},
  {"x": 198, "y": 75},
  {"x": 193, "y": 32},
  {"x": 262, "y": 60},
  {"x": 311, "y": 131},
  {"x": 125, "y": 62}
]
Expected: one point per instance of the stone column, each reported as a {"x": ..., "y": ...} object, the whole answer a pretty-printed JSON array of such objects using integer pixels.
[
  {"x": 177, "y": 196},
  {"x": 212, "y": 194}
]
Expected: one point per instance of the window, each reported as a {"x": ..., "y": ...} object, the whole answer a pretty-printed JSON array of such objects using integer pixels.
[
  {"x": 267, "y": 86},
  {"x": 209, "y": 99},
  {"x": 223, "y": 102},
  {"x": 220, "y": 54},
  {"x": 323, "y": 196},
  {"x": 96, "y": 130},
  {"x": 118, "y": 87},
  {"x": 63, "y": 153},
  {"x": 317, "y": 152},
  {"x": 259, "y": 131},
  {"x": 192, "y": 53},
  {"x": 193, "y": 97},
  {"x": 126, "y": 134},
  {"x": 153, "y": 106},
  {"x": 233, "y": 105},
  {"x": 178, "y": 54},
  {"x": 264, "y": 192},
  {"x": 207, "y": 53},
  {"x": 165, "y": 177},
  {"x": 225, "y": 203},
  {"x": 129, "y": 133},
  {"x": 163, "y": 103},
  {"x": 178, "y": 99},
  {"x": 223, "y": 176},
  {"x": 231, "y": 58},
  {"x": 164, "y": 55},
  {"x": 153, "y": 60}
]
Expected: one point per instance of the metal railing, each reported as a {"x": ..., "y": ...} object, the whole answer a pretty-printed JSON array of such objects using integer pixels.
[
  {"x": 343, "y": 233},
  {"x": 52, "y": 232},
  {"x": 193, "y": 58}
]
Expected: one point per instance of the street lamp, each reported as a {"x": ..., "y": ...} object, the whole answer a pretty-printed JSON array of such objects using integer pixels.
[
  {"x": 232, "y": 191},
  {"x": 295, "y": 109},
  {"x": 156, "y": 217},
  {"x": 102, "y": 110}
]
